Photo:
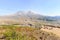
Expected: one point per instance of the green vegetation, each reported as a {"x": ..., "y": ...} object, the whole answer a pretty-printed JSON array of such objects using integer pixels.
[{"x": 12, "y": 32}]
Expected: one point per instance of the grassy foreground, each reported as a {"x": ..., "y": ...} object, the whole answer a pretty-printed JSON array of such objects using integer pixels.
[{"x": 11, "y": 32}]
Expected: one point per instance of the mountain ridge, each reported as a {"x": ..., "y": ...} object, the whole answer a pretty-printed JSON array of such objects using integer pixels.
[{"x": 28, "y": 17}]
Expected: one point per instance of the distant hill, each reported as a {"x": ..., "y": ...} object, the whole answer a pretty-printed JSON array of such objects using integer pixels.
[{"x": 27, "y": 18}]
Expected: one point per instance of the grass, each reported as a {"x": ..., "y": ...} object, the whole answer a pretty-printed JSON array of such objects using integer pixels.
[{"x": 11, "y": 32}]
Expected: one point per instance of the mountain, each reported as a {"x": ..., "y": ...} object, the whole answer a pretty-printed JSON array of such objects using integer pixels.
[{"x": 28, "y": 18}]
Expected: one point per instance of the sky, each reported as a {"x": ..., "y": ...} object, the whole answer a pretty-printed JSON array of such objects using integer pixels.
[{"x": 44, "y": 7}]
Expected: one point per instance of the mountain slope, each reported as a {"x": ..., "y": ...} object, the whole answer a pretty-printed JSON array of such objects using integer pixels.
[{"x": 28, "y": 17}]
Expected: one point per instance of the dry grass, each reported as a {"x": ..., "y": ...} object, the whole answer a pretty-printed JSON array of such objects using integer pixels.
[
  {"x": 25, "y": 33},
  {"x": 54, "y": 30}
]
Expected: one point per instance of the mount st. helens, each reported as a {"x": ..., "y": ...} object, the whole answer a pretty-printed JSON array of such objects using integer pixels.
[{"x": 28, "y": 18}]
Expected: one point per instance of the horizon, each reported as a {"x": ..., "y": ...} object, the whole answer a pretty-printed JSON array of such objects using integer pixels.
[
  {"x": 33, "y": 12},
  {"x": 43, "y": 7}
]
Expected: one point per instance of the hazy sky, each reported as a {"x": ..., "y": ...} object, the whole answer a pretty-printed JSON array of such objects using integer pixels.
[{"x": 45, "y": 7}]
